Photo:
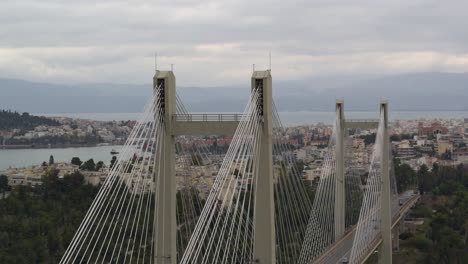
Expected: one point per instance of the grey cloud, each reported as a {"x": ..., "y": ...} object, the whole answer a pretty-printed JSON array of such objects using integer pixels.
[{"x": 90, "y": 40}]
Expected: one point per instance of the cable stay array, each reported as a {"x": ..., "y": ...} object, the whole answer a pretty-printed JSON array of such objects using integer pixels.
[
  {"x": 369, "y": 226},
  {"x": 353, "y": 185},
  {"x": 320, "y": 233},
  {"x": 193, "y": 163},
  {"x": 224, "y": 232},
  {"x": 121, "y": 223},
  {"x": 320, "y": 228},
  {"x": 292, "y": 199}
]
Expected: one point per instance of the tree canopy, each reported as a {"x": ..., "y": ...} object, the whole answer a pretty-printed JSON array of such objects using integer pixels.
[
  {"x": 37, "y": 224},
  {"x": 76, "y": 161},
  {"x": 444, "y": 236},
  {"x": 14, "y": 120},
  {"x": 89, "y": 165}
]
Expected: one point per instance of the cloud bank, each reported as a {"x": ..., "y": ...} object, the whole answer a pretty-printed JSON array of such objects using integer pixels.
[{"x": 216, "y": 42}]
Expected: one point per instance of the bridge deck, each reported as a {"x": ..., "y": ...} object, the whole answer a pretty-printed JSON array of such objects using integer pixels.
[
  {"x": 206, "y": 124},
  {"x": 207, "y": 117},
  {"x": 342, "y": 248},
  {"x": 362, "y": 123}
]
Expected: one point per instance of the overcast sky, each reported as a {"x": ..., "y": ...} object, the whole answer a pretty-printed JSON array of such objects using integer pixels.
[{"x": 216, "y": 42}]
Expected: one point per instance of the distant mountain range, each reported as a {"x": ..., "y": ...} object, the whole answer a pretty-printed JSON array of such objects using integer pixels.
[{"x": 407, "y": 92}]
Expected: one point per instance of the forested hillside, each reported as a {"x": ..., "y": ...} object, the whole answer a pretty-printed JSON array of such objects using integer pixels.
[
  {"x": 37, "y": 224},
  {"x": 12, "y": 120},
  {"x": 443, "y": 236}
]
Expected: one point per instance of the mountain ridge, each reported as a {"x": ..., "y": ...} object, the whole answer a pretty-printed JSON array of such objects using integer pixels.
[{"x": 429, "y": 91}]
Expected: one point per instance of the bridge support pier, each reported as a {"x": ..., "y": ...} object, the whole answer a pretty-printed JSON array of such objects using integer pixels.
[
  {"x": 339, "y": 213},
  {"x": 264, "y": 212},
  {"x": 165, "y": 198},
  {"x": 386, "y": 209}
]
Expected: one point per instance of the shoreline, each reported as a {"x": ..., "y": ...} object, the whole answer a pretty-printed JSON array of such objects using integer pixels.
[{"x": 23, "y": 157}]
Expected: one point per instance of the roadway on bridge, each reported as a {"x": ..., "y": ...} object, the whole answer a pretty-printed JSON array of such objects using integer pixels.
[{"x": 342, "y": 249}]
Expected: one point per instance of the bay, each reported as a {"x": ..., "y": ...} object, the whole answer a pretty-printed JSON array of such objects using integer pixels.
[{"x": 25, "y": 157}]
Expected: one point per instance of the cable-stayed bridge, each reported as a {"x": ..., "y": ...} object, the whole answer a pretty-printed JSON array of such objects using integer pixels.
[{"x": 161, "y": 204}]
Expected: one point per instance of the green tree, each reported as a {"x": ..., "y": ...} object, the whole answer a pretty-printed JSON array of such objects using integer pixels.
[
  {"x": 113, "y": 160},
  {"x": 51, "y": 160},
  {"x": 368, "y": 139},
  {"x": 24, "y": 121},
  {"x": 420, "y": 242},
  {"x": 450, "y": 187},
  {"x": 74, "y": 180},
  {"x": 76, "y": 161},
  {"x": 460, "y": 170},
  {"x": 3, "y": 184},
  {"x": 37, "y": 224},
  {"x": 465, "y": 179},
  {"x": 99, "y": 165},
  {"x": 423, "y": 179},
  {"x": 50, "y": 182},
  {"x": 405, "y": 176},
  {"x": 465, "y": 227},
  {"x": 89, "y": 165}
]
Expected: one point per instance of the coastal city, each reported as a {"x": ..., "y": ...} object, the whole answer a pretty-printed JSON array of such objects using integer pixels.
[
  {"x": 67, "y": 132},
  {"x": 414, "y": 142}
]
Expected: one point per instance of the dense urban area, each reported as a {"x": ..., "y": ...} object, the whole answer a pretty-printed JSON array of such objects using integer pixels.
[
  {"x": 42, "y": 205},
  {"x": 26, "y": 131}
]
